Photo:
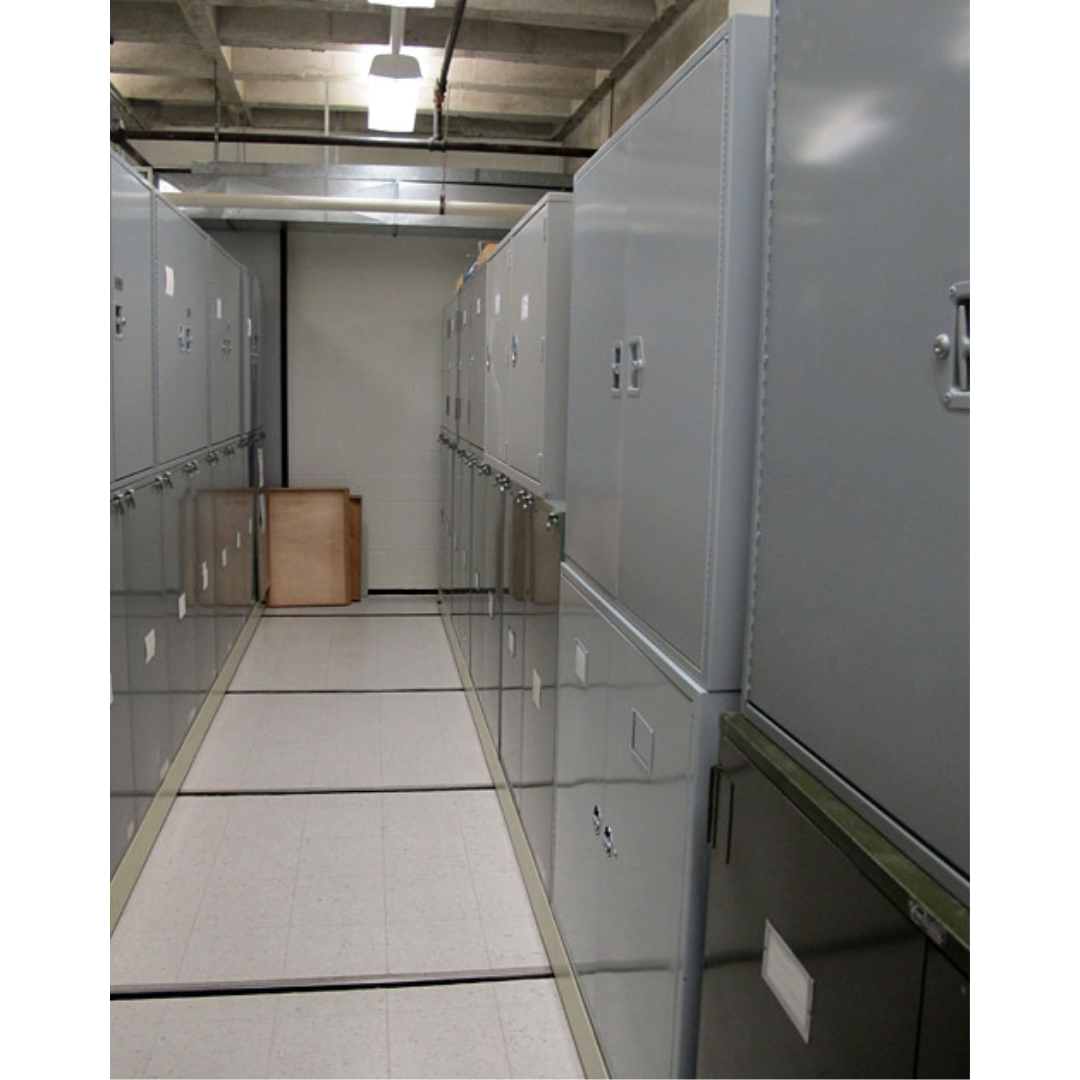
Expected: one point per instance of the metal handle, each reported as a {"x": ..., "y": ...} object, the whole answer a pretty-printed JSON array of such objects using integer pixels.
[
  {"x": 229, "y": 450},
  {"x": 119, "y": 321},
  {"x": 609, "y": 843},
  {"x": 597, "y": 820},
  {"x": 485, "y": 469},
  {"x": 616, "y": 369},
  {"x": 637, "y": 366},
  {"x": 212, "y": 458},
  {"x": 129, "y": 498},
  {"x": 118, "y": 502},
  {"x": 189, "y": 468},
  {"x": 954, "y": 355},
  {"x": 552, "y": 520}
]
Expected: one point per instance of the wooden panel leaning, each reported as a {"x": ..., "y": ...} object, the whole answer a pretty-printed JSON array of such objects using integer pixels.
[{"x": 309, "y": 546}]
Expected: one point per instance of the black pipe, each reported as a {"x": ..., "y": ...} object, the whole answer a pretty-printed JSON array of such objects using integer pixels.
[
  {"x": 483, "y": 146},
  {"x": 439, "y": 136}
]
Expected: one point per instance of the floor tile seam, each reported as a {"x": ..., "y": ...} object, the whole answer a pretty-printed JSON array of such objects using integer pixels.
[
  {"x": 286, "y": 690},
  {"x": 328, "y": 984},
  {"x": 394, "y": 789}
]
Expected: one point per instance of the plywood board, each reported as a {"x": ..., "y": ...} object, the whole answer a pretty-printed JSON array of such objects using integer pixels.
[
  {"x": 355, "y": 520},
  {"x": 309, "y": 544}
]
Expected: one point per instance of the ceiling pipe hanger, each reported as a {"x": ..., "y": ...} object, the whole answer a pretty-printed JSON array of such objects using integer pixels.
[{"x": 438, "y": 138}]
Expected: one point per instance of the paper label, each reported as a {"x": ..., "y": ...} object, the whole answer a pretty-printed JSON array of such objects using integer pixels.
[
  {"x": 249, "y": 328},
  {"x": 511, "y": 640},
  {"x": 224, "y": 557},
  {"x": 150, "y": 642},
  {"x": 498, "y": 303},
  {"x": 789, "y": 981},
  {"x": 536, "y": 689},
  {"x": 581, "y": 662},
  {"x": 205, "y": 576},
  {"x": 181, "y": 607},
  {"x": 238, "y": 538},
  {"x": 219, "y": 307},
  {"x": 525, "y": 308},
  {"x": 251, "y": 527},
  {"x": 170, "y": 281},
  {"x": 478, "y": 305}
]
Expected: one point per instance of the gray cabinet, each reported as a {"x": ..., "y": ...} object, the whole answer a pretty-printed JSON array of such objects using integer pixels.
[
  {"x": 226, "y": 343},
  {"x": 122, "y": 810},
  {"x": 447, "y": 446},
  {"x": 858, "y": 656},
  {"x": 250, "y": 352},
  {"x": 635, "y": 739},
  {"x": 811, "y": 968},
  {"x": 180, "y": 318},
  {"x": 525, "y": 394},
  {"x": 472, "y": 356},
  {"x": 130, "y": 327},
  {"x": 233, "y": 551},
  {"x": 512, "y": 663},
  {"x": 461, "y": 571},
  {"x": 449, "y": 367},
  {"x": 664, "y": 320}
]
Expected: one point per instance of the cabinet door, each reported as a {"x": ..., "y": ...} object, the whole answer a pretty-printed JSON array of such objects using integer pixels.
[
  {"x": 130, "y": 330},
  {"x": 643, "y": 881},
  {"x": 477, "y": 304},
  {"x": 148, "y": 628},
  {"x": 598, "y": 367},
  {"x": 487, "y": 624},
  {"x": 225, "y": 345},
  {"x": 775, "y": 873},
  {"x": 860, "y": 622},
  {"x": 527, "y": 348},
  {"x": 206, "y": 574},
  {"x": 449, "y": 366},
  {"x": 497, "y": 349},
  {"x": 122, "y": 812},
  {"x": 179, "y": 602},
  {"x": 180, "y": 297},
  {"x": 459, "y": 600},
  {"x": 670, "y": 338},
  {"x": 580, "y": 754},
  {"x": 514, "y": 630},
  {"x": 541, "y": 660}
]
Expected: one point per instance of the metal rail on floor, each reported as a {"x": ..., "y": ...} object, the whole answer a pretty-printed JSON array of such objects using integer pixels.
[
  {"x": 127, "y": 873},
  {"x": 577, "y": 1016}
]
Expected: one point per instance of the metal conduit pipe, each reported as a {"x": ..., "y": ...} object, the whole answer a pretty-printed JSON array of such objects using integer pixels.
[
  {"x": 376, "y": 142},
  {"x": 439, "y": 135},
  {"x": 217, "y": 200}
]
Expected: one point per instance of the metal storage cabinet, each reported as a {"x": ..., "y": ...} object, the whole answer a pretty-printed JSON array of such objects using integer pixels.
[
  {"x": 446, "y": 512},
  {"x": 262, "y": 531},
  {"x": 526, "y": 434},
  {"x": 636, "y": 737},
  {"x": 498, "y": 285},
  {"x": 225, "y": 286},
  {"x": 147, "y": 639},
  {"x": 485, "y": 634},
  {"x": 207, "y": 561},
  {"x": 858, "y": 633},
  {"x": 512, "y": 664},
  {"x": 450, "y": 341},
  {"x": 544, "y": 527},
  {"x": 131, "y": 334},
  {"x": 122, "y": 811},
  {"x": 180, "y": 317},
  {"x": 250, "y": 323},
  {"x": 792, "y": 897},
  {"x": 461, "y": 578},
  {"x": 233, "y": 531},
  {"x": 472, "y": 357},
  {"x": 663, "y": 371},
  {"x": 185, "y": 694}
]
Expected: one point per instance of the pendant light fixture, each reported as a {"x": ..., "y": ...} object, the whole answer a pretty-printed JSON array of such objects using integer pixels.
[{"x": 394, "y": 80}]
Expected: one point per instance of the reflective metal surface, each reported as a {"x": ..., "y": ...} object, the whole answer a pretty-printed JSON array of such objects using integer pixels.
[{"x": 859, "y": 626}]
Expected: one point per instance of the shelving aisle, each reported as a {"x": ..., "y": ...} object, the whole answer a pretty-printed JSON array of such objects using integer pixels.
[{"x": 334, "y": 892}]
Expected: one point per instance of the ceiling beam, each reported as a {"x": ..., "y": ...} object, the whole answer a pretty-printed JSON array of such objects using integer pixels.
[
  {"x": 137, "y": 58},
  {"x": 202, "y": 21},
  {"x": 616, "y": 16}
]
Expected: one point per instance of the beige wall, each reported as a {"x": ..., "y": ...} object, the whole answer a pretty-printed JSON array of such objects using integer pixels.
[{"x": 364, "y": 315}]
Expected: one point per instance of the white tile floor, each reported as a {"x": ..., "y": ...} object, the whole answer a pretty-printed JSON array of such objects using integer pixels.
[{"x": 335, "y": 876}]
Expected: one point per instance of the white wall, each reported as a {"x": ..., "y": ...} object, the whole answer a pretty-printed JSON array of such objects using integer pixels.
[{"x": 364, "y": 318}]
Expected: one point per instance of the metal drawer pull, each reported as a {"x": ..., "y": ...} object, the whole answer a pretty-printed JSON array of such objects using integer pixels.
[
  {"x": 597, "y": 819},
  {"x": 616, "y": 369},
  {"x": 609, "y": 843},
  {"x": 637, "y": 366}
]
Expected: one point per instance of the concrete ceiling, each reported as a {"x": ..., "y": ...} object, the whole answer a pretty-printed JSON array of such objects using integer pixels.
[{"x": 522, "y": 69}]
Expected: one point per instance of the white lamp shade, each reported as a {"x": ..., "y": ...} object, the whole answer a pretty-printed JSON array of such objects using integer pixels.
[
  {"x": 393, "y": 92},
  {"x": 404, "y": 3}
]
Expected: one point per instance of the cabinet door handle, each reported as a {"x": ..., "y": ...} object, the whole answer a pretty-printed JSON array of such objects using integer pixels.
[
  {"x": 609, "y": 843},
  {"x": 637, "y": 366},
  {"x": 598, "y": 820},
  {"x": 616, "y": 369}
]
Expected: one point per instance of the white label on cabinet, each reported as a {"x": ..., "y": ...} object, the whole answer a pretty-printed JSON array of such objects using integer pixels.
[
  {"x": 511, "y": 640},
  {"x": 219, "y": 307},
  {"x": 249, "y": 328},
  {"x": 788, "y": 980},
  {"x": 224, "y": 557},
  {"x": 498, "y": 303},
  {"x": 150, "y": 641},
  {"x": 525, "y": 308},
  {"x": 251, "y": 527},
  {"x": 536, "y": 689},
  {"x": 259, "y": 461},
  {"x": 181, "y": 607},
  {"x": 170, "y": 281},
  {"x": 238, "y": 540},
  {"x": 581, "y": 662},
  {"x": 478, "y": 305},
  {"x": 205, "y": 576}
]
